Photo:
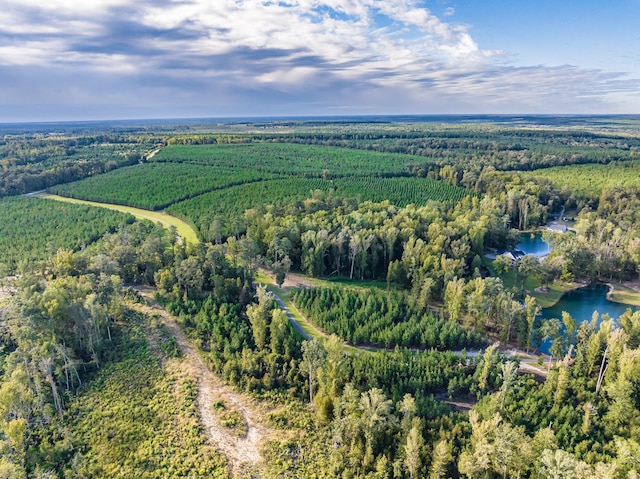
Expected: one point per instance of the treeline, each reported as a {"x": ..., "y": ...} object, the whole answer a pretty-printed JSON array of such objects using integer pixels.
[
  {"x": 222, "y": 212},
  {"x": 417, "y": 248},
  {"x": 30, "y": 163},
  {"x": 380, "y": 318}
]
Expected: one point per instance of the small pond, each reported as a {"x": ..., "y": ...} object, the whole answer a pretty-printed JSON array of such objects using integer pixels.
[
  {"x": 532, "y": 243},
  {"x": 581, "y": 303}
]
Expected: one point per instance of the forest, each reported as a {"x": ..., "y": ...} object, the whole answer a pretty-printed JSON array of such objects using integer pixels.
[{"x": 120, "y": 343}]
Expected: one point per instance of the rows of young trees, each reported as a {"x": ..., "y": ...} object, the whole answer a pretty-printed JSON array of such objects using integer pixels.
[
  {"x": 155, "y": 186},
  {"x": 291, "y": 159},
  {"x": 589, "y": 181},
  {"x": 31, "y": 229},
  {"x": 380, "y": 318},
  {"x": 221, "y": 213}
]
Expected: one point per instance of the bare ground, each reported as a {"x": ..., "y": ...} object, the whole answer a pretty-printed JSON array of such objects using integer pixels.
[{"x": 243, "y": 452}]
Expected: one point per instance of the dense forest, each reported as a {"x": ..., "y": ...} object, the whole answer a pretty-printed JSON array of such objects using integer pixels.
[{"x": 109, "y": 324}]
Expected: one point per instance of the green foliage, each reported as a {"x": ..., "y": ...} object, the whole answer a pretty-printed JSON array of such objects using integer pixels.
[
  {"x": 134, "y": 433},
  {"x": 31, "y": 229},
  {"x": 34, "y": 162},
  {"x": 283, "y": 158},
  {"x": 589, "y": 181},
  {"x": 155, "y": 186},
  {"x": 231, "y": 203},
  {"x": 383, "y": 318}
]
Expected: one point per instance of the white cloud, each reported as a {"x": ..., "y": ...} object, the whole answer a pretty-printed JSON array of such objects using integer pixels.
[{"x": 324, "y": 52}]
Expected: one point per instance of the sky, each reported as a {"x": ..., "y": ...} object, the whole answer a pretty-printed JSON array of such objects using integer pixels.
[{"x": 124, "y": 59}]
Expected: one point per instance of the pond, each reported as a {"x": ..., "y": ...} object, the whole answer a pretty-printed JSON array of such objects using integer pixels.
[
  {"x": 532, "y": 243},
  {"x": 581, "y": 303}
]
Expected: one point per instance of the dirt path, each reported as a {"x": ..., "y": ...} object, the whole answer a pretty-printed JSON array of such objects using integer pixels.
[{"x": 242, "y": 452}]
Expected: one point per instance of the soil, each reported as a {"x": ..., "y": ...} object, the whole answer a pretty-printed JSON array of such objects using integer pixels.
[{"x": 242, "y": 452}]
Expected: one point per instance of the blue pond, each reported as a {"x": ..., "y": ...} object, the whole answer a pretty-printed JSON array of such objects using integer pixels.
[
  {"x": 532, "y": 243},
  {"x": 581, "y": 303}
]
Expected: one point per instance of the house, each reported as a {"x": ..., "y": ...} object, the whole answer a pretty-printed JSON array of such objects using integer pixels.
[{"x": 557, "y": 227}]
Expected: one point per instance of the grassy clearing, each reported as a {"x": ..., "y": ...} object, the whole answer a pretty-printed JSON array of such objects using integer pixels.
[
  {"x": 554, "y": 292},
  {"x": 625, "y": 295},
  {"x": 138, "y": 418},
  {"x": 545, "y": 299},
  {"x": 353, "y": 283},
  {"x": 184, "y": 230}
]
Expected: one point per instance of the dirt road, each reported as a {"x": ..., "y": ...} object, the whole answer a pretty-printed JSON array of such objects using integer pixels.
[{"x": 242, "y": 452}]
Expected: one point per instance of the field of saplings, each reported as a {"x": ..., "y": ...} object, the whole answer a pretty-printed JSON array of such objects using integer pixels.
[{"x": 202, "y": 183}]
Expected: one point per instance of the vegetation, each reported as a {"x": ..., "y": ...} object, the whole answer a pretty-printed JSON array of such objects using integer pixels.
[
  {"x": 83, "y": 394},
  {"x": 155, "y": 186},
  {"x": 32, "y": 162},
  {"x": 31, "y": 229},
  {"x": 226, "y": 207},
  {"x": 291, "y": 159},
  {"x": 381, "y": 318},
  {"x": 589, "y": 181}
]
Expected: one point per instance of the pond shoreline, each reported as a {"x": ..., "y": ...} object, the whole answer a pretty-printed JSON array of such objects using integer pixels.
[{"x": 626, "y": 292}]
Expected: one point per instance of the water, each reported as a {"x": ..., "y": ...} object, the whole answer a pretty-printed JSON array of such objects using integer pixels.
[
  {"x": 581, "y": 303},
  {"x": 533, "y": 244}
]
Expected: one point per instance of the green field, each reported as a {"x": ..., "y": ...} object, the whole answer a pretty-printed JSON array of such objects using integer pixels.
[
  {"x": 290, "y": 159},
  {"x": 31, "y": 229},
  {"x": 588, "y": 181},
  {"x": 231, "y": 203},
  {"x": 154, "y": 186}
]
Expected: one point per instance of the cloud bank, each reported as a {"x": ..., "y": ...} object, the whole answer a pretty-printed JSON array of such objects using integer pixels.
[{"x": 68, "y": 59}]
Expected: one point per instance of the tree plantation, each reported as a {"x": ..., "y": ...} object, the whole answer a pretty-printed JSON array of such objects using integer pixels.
[{"x": 396, "y": 339}]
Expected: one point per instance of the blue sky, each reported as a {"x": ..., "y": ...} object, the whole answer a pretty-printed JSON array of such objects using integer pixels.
[{"x": 111, "y": 59}]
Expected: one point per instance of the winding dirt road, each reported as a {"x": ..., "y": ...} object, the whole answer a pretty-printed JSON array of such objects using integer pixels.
[{"x": 242, "y": 452}]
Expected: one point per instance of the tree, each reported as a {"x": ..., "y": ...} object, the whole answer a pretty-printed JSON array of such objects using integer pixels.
[
  {"x": 280, "y": 269},
  {"x": 313, "y": 357},
  {"x": 532, "y": 311},
  {"x": 501, "y": 264},
  {"x": 376, "y": 412},
  {"x": 454, "y": 297},
  {"x": 527, "y": 265},
  {"x": 557, "y": 464},
  {"x": 189, "y": 275},
  {"x": 441, "y": 457},
  {"x": 509, "y": 371},
  {"x": 412, "y": 448},
  {"x": 259, "y": 317}
]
